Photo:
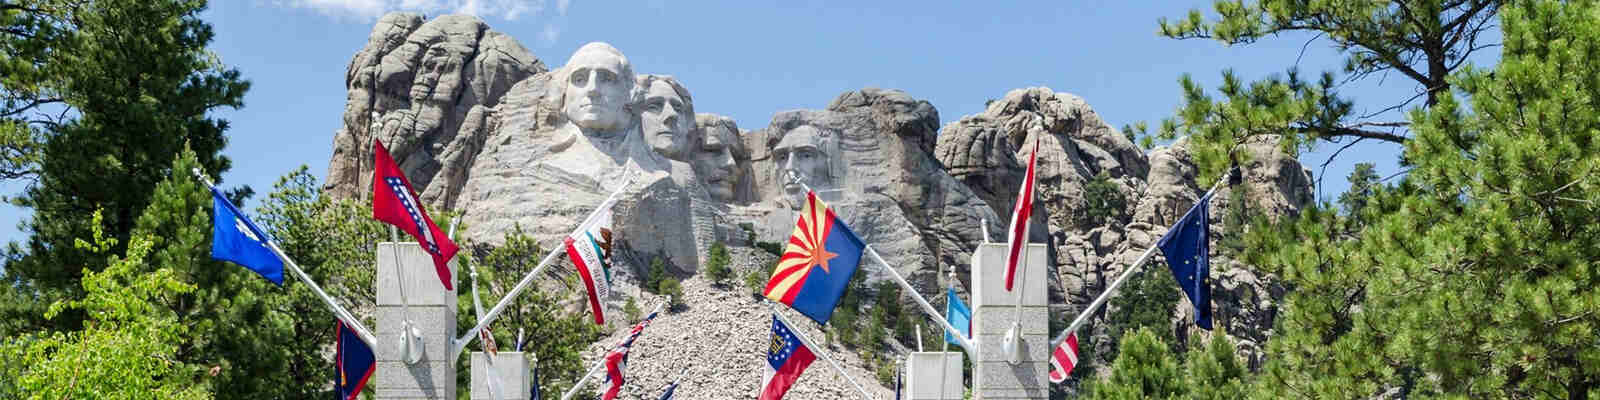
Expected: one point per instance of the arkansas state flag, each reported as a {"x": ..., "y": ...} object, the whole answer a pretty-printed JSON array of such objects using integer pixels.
[
  {"x": 1017, "y": 238},
  {"x": 395, "y": 203},
  {"x": 1063, "y": 358},
  {"x": 354, "y": 361},
  {"x": 822, "y": 256},
  {"x": 787, "y": 358},
  {"x": 590, "y": 251}
]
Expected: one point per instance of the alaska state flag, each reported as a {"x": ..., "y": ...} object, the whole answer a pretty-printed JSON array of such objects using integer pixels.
[
  {"x": 234, "y": 238},
  {"x": 1187, "y": 247},
  {"x": 787, "y": 358},
  {"x": 354, "y": 361},
  {"x": 395, "y": 203},
  {"x": 958, "y": 315},
  {"x": 822, "y": 256}
]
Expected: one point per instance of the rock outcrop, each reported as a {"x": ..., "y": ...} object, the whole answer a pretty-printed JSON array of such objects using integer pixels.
[
  {"x": 875, "y": 167},
  {"x": 427, "y": 90},
  {"x": 989, "y": 153},
  {"x": 480, "y": 125}
]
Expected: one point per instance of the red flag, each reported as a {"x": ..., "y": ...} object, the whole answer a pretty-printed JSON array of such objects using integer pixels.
[
  {"x": 1063, "y": 358},
  {"x": 394, "y": 202},
  {"x": 1017, "y": 239},
  {"x": 615, "y": 361}
]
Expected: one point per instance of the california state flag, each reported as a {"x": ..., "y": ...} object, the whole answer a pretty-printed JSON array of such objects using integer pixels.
[
  {"x": 590, "y": 251},
  {"x": 1017, "y": 236}
]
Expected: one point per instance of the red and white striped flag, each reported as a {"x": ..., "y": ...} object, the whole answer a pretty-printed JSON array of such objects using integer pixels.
[
  {"x": 1017, "y": 239},
  {"x": 1063, "y": 358}
]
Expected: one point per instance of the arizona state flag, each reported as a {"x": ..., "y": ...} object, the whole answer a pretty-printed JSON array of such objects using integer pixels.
[
  {"x": 822, "y": 256},
  {"x": 354, "y": 361},
  {"x": 395, "y": 203},
  {"x": 590, "y": 251}
]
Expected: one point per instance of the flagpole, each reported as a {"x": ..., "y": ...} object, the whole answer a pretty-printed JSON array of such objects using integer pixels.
[
  {"x": 477, "y": 308},
  {"x": 338, "y": 311},
  {"x": 966, "y": 344},
  {"x": 460, "y": 343},
  {"x": 1106, "y": 294},
  {"x": 601, "y": 363},
  {"x": 944, "y": 345},
  {"x": 819, "y": 351}
]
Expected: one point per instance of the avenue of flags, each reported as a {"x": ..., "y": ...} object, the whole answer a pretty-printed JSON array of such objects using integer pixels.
[{"x": 821, "y": 257}]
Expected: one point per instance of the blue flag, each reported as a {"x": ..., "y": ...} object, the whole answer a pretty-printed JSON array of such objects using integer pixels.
[
  {"x": 354, "y": 361},
  {"x": 1188, "y": 247},
  {"x": 234, "y": 238},
  {"x": 959, "y": 316}
]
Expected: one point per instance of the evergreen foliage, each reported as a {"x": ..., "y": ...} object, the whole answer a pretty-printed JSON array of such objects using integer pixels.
[
  {"x": 96, "y": 99},
  {"x": 717, "y": 268}
]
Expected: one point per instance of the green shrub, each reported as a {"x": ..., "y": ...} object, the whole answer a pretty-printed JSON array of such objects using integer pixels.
[
  {"x": 776, "y": 249},
  {"x": 672, "y": 288},
  {"x": 717, "y": 268}
]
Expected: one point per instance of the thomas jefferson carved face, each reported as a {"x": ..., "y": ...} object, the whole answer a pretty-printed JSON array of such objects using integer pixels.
[
  {"x": 599, "y": 82},
  {"x": 667, "y": 118},
  {"x": 715, "y": 161},
  {"x": 803, "y": 152}
]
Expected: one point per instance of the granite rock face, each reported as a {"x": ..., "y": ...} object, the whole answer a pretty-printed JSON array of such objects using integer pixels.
[
  {"x": 427, "y": 90},
  {"x": 989, "y": 153},
  {"x": 480, "y": 125},
  {"x": 869, "y": 156}
]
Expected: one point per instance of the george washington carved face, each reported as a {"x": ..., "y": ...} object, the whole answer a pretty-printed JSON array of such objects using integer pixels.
[{"x": 598, "y": 88}]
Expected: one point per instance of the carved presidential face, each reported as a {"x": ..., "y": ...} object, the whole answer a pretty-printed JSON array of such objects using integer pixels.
[
  {"x": 715, "y": 163},
  {"x": 667, "y": 120},
  {"x": 803, "y": 152},
  {"x": 598, "y": 84}
]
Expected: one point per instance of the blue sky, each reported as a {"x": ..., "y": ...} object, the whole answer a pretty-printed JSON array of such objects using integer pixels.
[{"x": 751, "y": 59}]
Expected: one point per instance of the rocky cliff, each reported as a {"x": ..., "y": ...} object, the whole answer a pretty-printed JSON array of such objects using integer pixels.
[{"x": 481, "y": 126}]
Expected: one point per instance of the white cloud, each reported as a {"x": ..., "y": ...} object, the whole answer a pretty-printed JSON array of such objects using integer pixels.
[
  {"x": 561, "y": 6},
  {"x": 371, "y": 9}
]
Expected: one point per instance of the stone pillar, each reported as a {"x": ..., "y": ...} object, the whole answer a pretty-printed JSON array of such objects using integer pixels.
[
  {"x": 994, "y": 310},
  {"x": 924, "y": 371},
  {"x": 510, "y": 376},
  {"x": 433, "y": 313}
]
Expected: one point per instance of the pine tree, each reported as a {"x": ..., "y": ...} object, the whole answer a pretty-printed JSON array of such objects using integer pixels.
[
  {"x": 139, "y": 84},
  {"x": 1475, "y": 276},
  {"x": 1422, "y": 41},
  {"x": 1144, "y": 369}
]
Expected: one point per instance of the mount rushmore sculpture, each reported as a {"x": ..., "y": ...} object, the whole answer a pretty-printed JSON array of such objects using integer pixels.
[{"x": 483, "y": 127}]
